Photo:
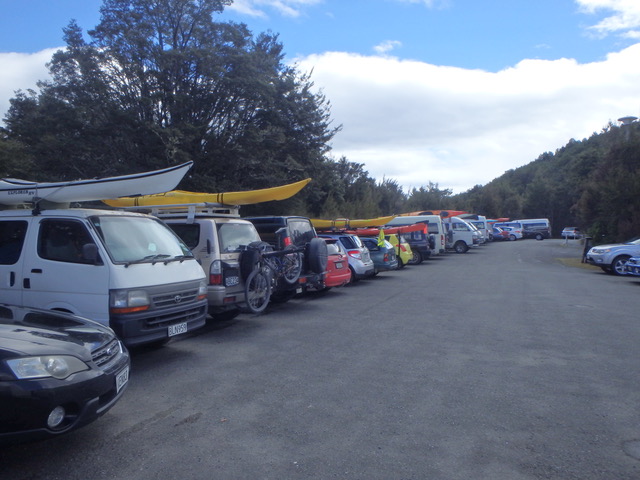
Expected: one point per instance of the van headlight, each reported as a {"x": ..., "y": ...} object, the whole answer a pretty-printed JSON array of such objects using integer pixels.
[
  {"x": 56, "y": 366},
  {"x": 202, "y": 290},
  {"x": 128, "y": 301}
]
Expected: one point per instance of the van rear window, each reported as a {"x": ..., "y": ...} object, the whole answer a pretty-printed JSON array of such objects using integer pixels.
[{"x": 301, "y": 232}]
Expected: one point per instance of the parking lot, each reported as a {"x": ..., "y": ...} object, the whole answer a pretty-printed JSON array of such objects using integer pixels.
[{"x": 512, "y": 361}]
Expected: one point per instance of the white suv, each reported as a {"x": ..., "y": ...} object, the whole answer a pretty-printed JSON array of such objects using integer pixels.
[
  {"x": 612, "y": 258},
  {"x": 216, "y": 237}
]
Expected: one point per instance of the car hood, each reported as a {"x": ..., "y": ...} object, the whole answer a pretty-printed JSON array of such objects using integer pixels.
[
  {"x": 26, "y": 331},
  {"x": 618, "y": 245}
]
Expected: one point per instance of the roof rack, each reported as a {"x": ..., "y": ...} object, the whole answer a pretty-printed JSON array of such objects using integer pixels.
[{"x": 190, "y": 210}]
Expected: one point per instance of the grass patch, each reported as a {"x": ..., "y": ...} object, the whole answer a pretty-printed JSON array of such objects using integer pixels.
[{"x": 576, "y": 263}]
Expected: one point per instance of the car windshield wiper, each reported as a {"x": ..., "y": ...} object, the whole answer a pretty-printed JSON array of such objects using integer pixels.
[
  {"x": 153, "y": 259},
  {"x": 178, "y": 258}
]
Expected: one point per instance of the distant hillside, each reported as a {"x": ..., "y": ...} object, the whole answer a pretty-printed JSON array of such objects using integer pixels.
[{"x": 593, "y": 184}]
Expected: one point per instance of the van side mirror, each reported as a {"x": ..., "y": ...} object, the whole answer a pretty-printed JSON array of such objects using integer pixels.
[{"x": 90, "y": 253}]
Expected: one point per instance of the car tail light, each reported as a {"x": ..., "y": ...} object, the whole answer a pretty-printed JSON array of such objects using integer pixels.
[
  {"x": 355, "y": 254},
  {"x": 215, "y": 273},
  {"x": 287, "y": 241},
  {"x": 386, "y": 257}
]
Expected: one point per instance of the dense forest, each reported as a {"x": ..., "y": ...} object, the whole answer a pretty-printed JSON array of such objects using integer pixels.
[{"x": 161, "y": 82}]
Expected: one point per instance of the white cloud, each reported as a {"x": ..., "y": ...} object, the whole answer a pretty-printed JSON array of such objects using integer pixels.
[
  {"x": 625, "y": 19},
  {"x": 416, "y": 122},
  {"x": 257, "y": 8},
  {"x": 386, "y": 46},
  {"x": 21, "y": 71}
]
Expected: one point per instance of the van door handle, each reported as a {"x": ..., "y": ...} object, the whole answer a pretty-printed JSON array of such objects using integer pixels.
[
  {"x": 26, "y": 283},
  {"x": 36, "y": 270},
  {"x": 12, "y": 279}
]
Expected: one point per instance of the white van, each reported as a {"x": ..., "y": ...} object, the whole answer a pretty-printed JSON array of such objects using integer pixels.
[
  {"x": 480, "y": 222},
  {"x": 435, "y": 227},
  {"x": 125, "y": 270},
  {"x": 461, "y": 235},
  {"x": 538, "y": 228}
]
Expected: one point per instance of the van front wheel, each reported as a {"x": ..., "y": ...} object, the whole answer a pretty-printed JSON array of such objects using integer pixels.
[{"x": 460, "y": 247}]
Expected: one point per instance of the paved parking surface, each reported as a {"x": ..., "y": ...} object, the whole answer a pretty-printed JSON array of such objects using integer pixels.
[{"x": 513, "y": 361}]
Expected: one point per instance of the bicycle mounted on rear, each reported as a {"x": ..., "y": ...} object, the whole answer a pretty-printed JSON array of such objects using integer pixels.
[{"x": 272, "y": 275}]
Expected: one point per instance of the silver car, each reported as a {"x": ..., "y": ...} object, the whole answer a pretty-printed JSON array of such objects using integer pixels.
[
  {"x": 612, "y": 258},
  {"x": 360, "y": 262}
]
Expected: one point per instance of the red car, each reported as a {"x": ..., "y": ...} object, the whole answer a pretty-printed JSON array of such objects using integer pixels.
[
  {"x": 338, "y": 273},
  {"x": 500, "y": 234}
]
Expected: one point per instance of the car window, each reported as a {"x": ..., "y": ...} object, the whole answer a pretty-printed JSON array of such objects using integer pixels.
[
  {"x": 63, "y": 241},
  {"x": 235, "y": 236},
  {"x": 301, "y": 231},
  {"x": 12, "y": 235},
  {"x": 370, "y": 244},
  {"x": 190, "y": 234},
  {"x": 349, "y": 242},
  {"x": 460, "y": 227},
  {"x": 332, "y": 249}
]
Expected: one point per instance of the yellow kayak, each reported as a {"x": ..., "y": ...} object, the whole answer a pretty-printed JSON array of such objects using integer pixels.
[
  {"x": 348, "y": 223},
  {"x": 179, "y": 197}
]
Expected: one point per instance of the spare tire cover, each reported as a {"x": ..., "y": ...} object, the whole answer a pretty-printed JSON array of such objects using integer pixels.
[{"x": 317, "y": 256}]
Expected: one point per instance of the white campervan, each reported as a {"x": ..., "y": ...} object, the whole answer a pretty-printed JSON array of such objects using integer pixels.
[
  {"x": 125, "y": 270},
  {"x": 461, "y": 234},
  {"x": 538, "y": 228},
  {"x": 480, "y": 222}
]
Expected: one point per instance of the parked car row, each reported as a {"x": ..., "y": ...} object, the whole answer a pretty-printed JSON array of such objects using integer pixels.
[{"x": 145, "y": 276}]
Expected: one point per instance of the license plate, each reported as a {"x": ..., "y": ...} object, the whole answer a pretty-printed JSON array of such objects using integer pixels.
[
  {"x": 232, "y": 281},
  {"x": 177, "y": 329},
  {"x": 338, "y": 265},
  {"x": 121, "y": 379}
]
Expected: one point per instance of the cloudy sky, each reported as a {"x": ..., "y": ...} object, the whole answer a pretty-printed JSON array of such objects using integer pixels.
[{"x": 453, "y": 92}]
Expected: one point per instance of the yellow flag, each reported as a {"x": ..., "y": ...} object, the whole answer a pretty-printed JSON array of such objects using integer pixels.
[{"x": 381, "y": 238}]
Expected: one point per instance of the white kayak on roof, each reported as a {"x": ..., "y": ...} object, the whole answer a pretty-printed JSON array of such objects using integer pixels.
[{"x": 17, "y": 192}]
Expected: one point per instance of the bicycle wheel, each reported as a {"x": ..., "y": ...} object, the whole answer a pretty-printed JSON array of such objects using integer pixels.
[
  {"x": 257, "y": 291},
  {"x": 291, "y": 265}
]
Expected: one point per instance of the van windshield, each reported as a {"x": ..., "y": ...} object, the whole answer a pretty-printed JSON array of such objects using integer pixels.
[{"x": 135, "y": 239}]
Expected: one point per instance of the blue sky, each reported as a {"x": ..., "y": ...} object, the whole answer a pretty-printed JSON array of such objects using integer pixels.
[{"x": 453, "y": 92}]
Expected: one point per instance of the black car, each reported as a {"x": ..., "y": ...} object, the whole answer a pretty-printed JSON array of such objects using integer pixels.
[
  {"x": 58, "y": 372},
  {"x": 280, "y": 232}
]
